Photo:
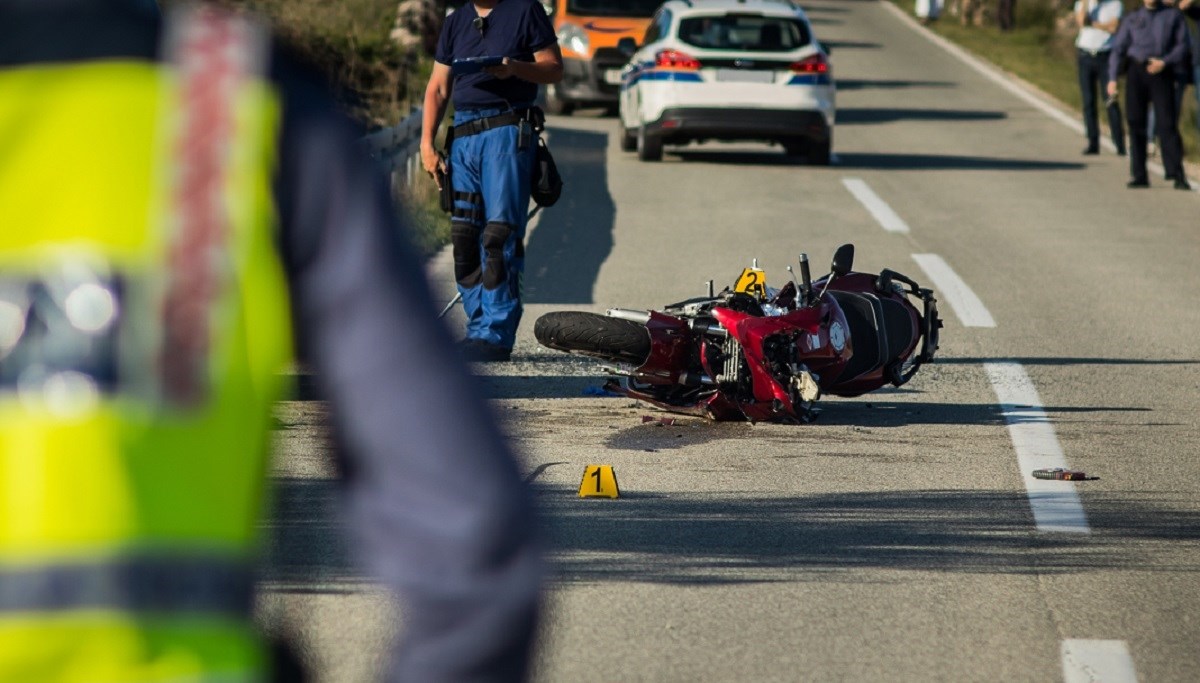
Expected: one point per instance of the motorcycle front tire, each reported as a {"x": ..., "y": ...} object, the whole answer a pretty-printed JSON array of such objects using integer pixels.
[{"x": 592, "y": 334}]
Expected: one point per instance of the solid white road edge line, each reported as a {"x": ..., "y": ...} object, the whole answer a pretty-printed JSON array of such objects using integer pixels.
[
  {"x": 993, "y": 74},
  {"x": 1056, "y": 505},
  {"x": 878, "y": 208},
  {"x": 951, "y": 289},
  {"x": 1087, "y": 661}
]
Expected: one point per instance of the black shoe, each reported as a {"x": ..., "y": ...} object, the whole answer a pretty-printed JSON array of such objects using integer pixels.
[
  {"x": 1135, "y": 183},
  {"x": 1182, "y": 184},
  {"x": 1120, "y": 151},
  {"x": 479, "y": 351},
  {"x": 1091, "y": 149}
]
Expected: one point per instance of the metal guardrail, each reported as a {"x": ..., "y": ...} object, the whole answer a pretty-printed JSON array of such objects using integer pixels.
[{"x": 395, "y": 149}]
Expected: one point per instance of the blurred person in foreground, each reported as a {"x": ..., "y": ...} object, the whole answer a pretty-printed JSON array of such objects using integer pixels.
[
  {"x": 171, "y": 189},
  {"x": 1153, "y": 41},
  {"x": 491, "y": 146},
  {"x": 1098, "y": 21}
]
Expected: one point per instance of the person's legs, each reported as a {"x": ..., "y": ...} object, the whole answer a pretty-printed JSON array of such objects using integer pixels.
[
  {"x": 1137, "y": 98},
  {"x": 506, "y": 179},
  {"x": 1087, "y": 89},
  {"x": 466, "y": 227},
  {"x": 1162, "y": 94}
]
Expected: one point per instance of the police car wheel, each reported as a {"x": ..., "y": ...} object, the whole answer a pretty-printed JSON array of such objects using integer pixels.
[
  {"x": 628, "y": 139},
  {"x": 820, "y": 153},
  {"x": 649, "y": 147}
]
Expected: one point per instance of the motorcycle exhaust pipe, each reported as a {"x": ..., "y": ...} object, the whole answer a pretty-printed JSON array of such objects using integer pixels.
[{"x": 642, "y": 317}]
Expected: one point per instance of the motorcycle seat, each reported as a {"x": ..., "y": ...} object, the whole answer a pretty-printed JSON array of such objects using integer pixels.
[{"x": 881, "y": 330}]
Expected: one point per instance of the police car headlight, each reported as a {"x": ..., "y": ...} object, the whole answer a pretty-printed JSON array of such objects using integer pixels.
[{"x": 573, "y": 38}]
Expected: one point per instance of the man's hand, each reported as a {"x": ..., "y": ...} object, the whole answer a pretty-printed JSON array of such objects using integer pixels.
[
  {"x": 1155, "y": 65},
  {"x": 1112, "y": 88},
  {"x": 432, "y": 162},
  {"x": 502, "y": 70}
]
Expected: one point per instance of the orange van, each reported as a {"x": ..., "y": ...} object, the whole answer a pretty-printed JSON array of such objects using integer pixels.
[{"x": 588, "y": 31}]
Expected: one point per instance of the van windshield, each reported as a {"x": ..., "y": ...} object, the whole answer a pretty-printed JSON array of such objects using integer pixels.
[
  {"x": 744, "y": 32},
  {"x": 613, "y": 8}
]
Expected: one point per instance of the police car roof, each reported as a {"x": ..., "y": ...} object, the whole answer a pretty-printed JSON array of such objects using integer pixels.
[{"x": 777, "y": 7}]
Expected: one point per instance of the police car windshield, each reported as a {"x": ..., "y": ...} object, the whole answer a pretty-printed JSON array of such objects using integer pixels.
[
  {"x": 745, "y": 32},
  {"x": 613, "y": 8}
]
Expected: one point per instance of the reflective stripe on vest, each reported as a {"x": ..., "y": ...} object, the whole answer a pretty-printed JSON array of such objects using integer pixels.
[{"x": 143, "y": 325}]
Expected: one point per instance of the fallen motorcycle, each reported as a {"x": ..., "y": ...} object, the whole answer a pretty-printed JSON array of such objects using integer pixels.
[{"x": 752, "y": 352}]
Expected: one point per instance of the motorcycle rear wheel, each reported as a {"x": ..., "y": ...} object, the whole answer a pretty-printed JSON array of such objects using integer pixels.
[{"x": 591, "y": 334}]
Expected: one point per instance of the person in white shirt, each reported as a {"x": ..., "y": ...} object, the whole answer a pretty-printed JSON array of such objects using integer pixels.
[{"x": 1098, "y": 21}]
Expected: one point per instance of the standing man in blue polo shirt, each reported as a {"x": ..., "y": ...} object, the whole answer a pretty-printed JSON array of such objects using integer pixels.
[{"x": 491, "y": 155}]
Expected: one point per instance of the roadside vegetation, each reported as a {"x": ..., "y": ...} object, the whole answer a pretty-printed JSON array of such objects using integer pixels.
[
  {"x": 377, "y": 81},
  {"x": 1039, "y": 49}
]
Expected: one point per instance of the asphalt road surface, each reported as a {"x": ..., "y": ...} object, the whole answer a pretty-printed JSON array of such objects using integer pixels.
[{"x": 899, "y": 537}]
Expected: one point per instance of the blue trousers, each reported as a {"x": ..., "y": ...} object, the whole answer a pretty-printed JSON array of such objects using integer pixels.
[{"x": 491, "y": 177}]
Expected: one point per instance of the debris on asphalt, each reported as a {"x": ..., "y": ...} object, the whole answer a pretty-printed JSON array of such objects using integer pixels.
[
  {"x": 597, "y": 391},
  {"x": 662, "y": 421},
  {"x": 1062, "y": 474}
]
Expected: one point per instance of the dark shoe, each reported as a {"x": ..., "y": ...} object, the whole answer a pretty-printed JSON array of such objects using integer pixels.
[
  {"x": 479, "y": 351},
  {"x": 1091, "y": 149},
  {"x": 1120, "y": 151},
  {"x": 1182, "y": 184},
  {"x": 1135, "y": 183}
]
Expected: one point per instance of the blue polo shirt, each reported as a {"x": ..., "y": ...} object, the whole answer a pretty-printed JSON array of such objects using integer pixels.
[{"x": 515, "y": 29}]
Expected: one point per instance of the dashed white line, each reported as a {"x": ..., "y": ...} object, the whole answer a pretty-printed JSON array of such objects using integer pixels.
[
  {"x": 951, "y": 289},
  {"x": 1089, "y": 661},
  {"x": 1056, "y": 505},
  {"x": 878, "y": 208}
]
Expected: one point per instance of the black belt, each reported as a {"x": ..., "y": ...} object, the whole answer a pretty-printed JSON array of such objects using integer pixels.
[
  {"x": 531, "y": 114},
  {"x": 1094, "y": 53},
  {"x": 174, "y": 584}
]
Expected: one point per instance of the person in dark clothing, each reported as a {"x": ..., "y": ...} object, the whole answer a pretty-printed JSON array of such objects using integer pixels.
[
  {"x": 1154, "y": 41},
  {"x": 1098, "y": 21},
  {"x": 193, "y": 187},
  {"x": 1191, "y": 10},
  {"x": 495, "y": 132},
  {"x": 1006, "y": 15}
]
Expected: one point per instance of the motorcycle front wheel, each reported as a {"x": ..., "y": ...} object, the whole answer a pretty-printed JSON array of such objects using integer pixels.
[{"x": 591, "y": 334}]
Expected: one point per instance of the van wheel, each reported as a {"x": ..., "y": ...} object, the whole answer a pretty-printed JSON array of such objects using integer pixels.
[
  {"x": 649, "y": 147},
  {"x": 554, "y": 104},
  {"x": 794, "y": 148},
  {"x": 628, "y": 139}
]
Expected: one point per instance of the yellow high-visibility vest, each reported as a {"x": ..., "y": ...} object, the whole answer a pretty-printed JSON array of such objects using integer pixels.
[{"x": 143, "y": 327}]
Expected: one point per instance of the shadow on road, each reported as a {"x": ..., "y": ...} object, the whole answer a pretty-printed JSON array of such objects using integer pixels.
[
  {"x": 875, "y": 84},
  {"x": 1065, "y": 361},
  {"x": 874, "y": 115},
  {"x": 850, "y": 45},
  {"x": 721, "y": 539},
  {"x": 574, "y": 237},
  {"x": 933, "y": 162}
]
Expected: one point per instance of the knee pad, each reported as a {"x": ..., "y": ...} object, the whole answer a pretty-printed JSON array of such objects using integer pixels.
[
  {"x": 495, "y": 236},
  {"x": 464, "y": 237}
]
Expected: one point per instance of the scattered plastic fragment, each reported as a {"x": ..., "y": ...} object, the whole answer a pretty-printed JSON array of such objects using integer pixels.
[
  {"x": 597, "y": 391},
  {"x": 665, "y": 421},
  {"x": 1062, "y": 474}
]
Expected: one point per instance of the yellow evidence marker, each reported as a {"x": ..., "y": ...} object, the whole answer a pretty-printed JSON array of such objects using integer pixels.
[
  {"x": 753, "y": 282},
  {"x": 599, "y": 481}
]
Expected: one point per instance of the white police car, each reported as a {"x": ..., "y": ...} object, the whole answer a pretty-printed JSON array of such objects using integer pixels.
[{"x": 728, "y": 70}]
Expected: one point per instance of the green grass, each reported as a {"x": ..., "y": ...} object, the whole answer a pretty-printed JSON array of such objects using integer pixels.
[
  {"x": 376, "y": 81},
  {"x": 1042, "y": 55}
]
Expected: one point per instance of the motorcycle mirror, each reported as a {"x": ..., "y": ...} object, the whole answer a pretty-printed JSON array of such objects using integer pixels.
[{"x": 843, "y": 260}]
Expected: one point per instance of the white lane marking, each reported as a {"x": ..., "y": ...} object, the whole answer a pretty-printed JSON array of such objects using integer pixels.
[
  {"x": 1089, "y": 661},
  {"x": 1056, "y": 505},
  {"x": 878, "y": 208},
  {"x": 1003, "y": 80},
  {"x": 951, "y": 289}
]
